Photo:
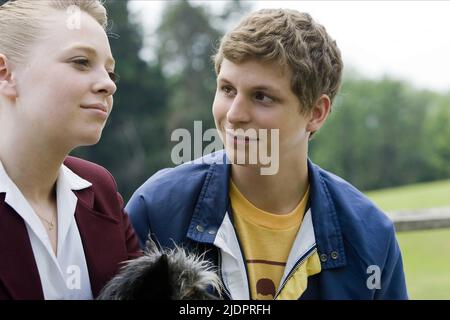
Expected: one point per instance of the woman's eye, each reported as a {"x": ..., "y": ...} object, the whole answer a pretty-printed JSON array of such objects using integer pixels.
[{"x": 81, "y": 62}]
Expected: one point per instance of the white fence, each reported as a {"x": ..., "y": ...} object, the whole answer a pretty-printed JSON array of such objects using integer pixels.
[{"x": 422, "y": 219}]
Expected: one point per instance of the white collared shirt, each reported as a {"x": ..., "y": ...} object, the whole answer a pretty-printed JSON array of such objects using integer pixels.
[{"x": 64, "y": 276}]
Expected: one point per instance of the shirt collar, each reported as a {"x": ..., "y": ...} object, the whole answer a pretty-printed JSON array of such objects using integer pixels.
[
  {"x": 72, "y": 180},
  {"x": 214, "y": 198},
  {"x": 66, "y": 203},
  {"x": 4, "y": 180},
  {"x": 66, "y": 178}
]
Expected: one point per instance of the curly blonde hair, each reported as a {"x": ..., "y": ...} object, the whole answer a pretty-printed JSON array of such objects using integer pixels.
[{"x": 292, "y": 39}]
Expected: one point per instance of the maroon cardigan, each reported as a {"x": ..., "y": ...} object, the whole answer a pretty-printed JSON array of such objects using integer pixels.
[{"x": 105, "y": 231}]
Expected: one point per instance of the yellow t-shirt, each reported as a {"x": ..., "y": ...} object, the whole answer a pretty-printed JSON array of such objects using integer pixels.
[{"x": 266, "y": 240}]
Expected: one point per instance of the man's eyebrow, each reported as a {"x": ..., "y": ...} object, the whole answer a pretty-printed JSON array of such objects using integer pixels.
[
  {"x": 259, "y": 87},
  {"x": 91, "y": 51},
  {"x": 220, "y": 78},
  {"x": 267, "y": 88}
]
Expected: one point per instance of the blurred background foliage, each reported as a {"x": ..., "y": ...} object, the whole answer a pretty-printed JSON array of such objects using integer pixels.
[{"x": 381, "y": 133}]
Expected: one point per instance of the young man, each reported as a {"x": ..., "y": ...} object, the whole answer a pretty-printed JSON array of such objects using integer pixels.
[{"x": 293, "y": 232}]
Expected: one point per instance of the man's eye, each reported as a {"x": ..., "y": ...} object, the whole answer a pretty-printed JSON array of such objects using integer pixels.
[
  {"x": 260, "y": 96},
  {"x": 227, "y": 90}
]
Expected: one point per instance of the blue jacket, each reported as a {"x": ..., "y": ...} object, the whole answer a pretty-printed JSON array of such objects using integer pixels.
[{"x": 360, "y": 257}]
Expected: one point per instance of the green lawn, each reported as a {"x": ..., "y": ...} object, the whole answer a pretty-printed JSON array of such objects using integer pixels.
[
  {"x": 426, "y": 254},
  {"x": 426, "y": 259},
  {"x": 414, "y": 196}
]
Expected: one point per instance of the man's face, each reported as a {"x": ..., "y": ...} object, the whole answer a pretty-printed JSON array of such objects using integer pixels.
[{"x": 257, "y": 95}]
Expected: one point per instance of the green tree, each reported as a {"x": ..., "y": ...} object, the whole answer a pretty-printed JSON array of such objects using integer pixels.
[
  {"x": 187, "y": 41},
  {"x": 438, "y": 138},
  {"x": 380, "y": 134},
  {"x": 188, "y": 37}
]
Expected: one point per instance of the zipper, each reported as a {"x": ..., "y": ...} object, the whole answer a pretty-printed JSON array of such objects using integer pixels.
[
  {"x": 242, "y": 254},
  {"x": 245, "y": 266},
  {"x": 295, "y": 268},
  {"x": 225, "y": 290}
]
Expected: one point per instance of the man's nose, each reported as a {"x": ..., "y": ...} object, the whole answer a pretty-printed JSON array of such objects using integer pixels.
[{"x": 238, "y": 111}]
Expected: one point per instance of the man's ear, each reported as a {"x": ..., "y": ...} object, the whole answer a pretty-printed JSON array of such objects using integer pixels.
[
  {"x": 319, "y": 113},
  {"x": 7, "y": 81}
]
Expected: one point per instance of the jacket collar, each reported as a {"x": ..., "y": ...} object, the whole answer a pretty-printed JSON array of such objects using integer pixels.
[
  {"x": 90, "y": 222},
  {"x": 329, "y": 240},
  {"x": 213, "y": 202},
  {"x": 17, "y": 255}
]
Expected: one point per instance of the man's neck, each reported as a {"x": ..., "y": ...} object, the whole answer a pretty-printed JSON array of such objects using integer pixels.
[{"x": 279, "y": 193}]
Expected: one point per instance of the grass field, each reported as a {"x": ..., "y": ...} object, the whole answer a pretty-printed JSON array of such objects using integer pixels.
[
  {"x": 426, "y": 254},
  {"x": 414, "y": 196}
]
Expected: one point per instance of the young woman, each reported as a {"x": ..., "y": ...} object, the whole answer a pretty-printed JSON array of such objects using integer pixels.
[{"x": 63, "y": 231}]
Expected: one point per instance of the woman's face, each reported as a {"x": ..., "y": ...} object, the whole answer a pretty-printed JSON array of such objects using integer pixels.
[{"x": 65, "y": 90}]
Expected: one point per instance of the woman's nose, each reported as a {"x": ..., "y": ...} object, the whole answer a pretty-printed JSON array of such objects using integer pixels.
[{"x": 105, "y": 85}]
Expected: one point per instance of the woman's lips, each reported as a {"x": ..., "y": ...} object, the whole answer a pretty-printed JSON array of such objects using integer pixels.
[
  {"x": 99, "y": 109},
  {"x": 96, "y": 106}
]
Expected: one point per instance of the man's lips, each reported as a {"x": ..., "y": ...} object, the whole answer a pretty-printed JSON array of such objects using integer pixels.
[
  {"x": 240, "y": 138},
  {"x": 246, "y": 139}
]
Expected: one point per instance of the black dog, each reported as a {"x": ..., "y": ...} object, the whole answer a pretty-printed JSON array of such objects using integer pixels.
[{"x": 170, "y": 274}]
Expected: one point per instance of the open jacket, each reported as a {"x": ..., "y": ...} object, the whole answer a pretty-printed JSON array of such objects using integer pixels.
[
  {"x": 105, "y": 231},
  {"x": 359, "y": 255}
]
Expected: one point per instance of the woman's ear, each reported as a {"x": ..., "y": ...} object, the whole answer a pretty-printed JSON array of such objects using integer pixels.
[
  {"x": 319, "y": 113},
  {"x": 7, "y": 82}
]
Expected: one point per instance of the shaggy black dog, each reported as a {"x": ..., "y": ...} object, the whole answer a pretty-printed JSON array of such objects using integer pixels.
[{"x": 163, "y": 275}]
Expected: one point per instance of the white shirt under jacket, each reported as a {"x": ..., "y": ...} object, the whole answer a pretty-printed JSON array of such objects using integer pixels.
[{"x": 64, "y": 275}]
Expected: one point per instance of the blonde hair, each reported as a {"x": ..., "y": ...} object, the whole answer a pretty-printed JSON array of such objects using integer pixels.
[
  {"x": 292, "y": 39},
  {"x": 22, "y": 21}
]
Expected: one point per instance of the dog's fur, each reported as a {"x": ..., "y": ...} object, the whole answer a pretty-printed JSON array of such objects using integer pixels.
[{"x": 169, "y": 274}]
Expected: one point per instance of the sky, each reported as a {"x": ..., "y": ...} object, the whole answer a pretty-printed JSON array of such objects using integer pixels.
[{"x": 407, "y": 40}]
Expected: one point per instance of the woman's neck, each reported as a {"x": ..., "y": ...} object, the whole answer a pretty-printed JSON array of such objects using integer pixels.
[{"x": 32, "y": 165}]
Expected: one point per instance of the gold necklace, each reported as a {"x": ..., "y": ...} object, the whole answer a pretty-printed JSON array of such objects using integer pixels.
[{"x": 51, "y": 225}]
